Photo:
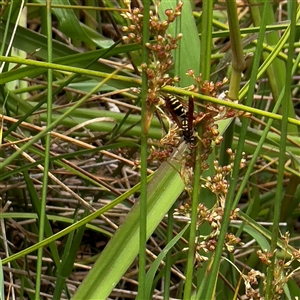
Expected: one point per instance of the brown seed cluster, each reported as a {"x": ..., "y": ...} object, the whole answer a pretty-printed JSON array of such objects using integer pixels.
[
  {"x": 250, "y": 280},
  {"x": 208, "y": 243},
  {"x": 213, "y": 216},
  {"x": 159, "y": 155},
  {"x": 218, "y": 183},
  {"x": 206, "y": 87},
  {"x": 160, "y": 47},
  {"x": 283, "y": 271},
  {"x": 135, "y": 29}
]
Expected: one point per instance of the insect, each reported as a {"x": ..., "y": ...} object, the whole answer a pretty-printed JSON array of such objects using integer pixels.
[
  {"x": 184, "y": 118},
  {"x": 175, "y": 107}
]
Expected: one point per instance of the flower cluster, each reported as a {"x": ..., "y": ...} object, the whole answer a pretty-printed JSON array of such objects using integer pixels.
[
  {"x": 160, "y": 48},
  {"x": 159, "y": 155},
  {"x": 250, "y": 280},
  {"x": 282, "y": 271},
  {"x": 208, "y": 243},
  {"x": 213, "y": 216},
  {"x": 218, "y": 183},
  {"x": 134, "y": 30},
  {"x": 206, "y": 87}
]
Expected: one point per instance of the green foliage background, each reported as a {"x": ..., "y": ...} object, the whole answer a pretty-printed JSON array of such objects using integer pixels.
[{"x": 73, "y": 128}]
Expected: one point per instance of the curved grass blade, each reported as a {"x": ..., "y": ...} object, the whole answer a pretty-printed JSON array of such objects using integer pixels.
[{"x": 153, "y": 269}]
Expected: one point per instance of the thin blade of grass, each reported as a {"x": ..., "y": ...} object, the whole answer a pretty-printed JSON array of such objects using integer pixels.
[
  {"x": 155, "y": 265},
  {"x": 2, "y": 294}
]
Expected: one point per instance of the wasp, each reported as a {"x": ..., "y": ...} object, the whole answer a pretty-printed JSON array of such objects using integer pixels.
[{"x": 183, "y": 117}]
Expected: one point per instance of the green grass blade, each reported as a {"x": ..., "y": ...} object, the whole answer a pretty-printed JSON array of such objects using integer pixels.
[
  {"x": 68, "y": 258},
  {"x": 144, "y": 154},
  {"x": 155, "y": 265},
  {"x": 2, "y": 294},
  {"x": 36, "y": 203}
]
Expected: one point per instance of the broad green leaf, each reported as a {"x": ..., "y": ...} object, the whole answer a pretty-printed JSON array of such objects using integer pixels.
[
  {"x": 187, "y": 56},
  {"x": 260, "y": 239},
  {"x": 163, "y": 190}
]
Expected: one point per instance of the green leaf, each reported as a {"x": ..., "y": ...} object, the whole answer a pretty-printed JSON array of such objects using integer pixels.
[
  {"x": 2, "y": 295},
  {"x": 260, "y": 239},
  {"x": 187, "y": 56},
  {"x": 72, "y": 27}
]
